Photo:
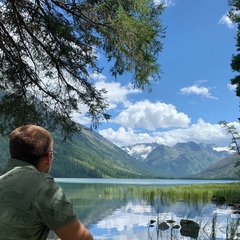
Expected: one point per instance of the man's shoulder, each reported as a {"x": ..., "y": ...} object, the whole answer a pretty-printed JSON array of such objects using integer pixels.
[{"x": 27, "y": 174}]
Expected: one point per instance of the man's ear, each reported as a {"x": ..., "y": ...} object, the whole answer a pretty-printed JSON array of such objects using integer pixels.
[{"x": 47, "y": 158}]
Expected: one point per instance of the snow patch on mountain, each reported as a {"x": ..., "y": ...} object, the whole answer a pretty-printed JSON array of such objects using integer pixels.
[
  {"x": 140, "y": 151},
  {"x": 221, "y": 149}
]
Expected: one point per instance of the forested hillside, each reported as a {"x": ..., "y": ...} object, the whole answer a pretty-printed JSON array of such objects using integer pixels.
[
  {"x": 225, "y": 169},
  {"x": 88, "y": 154}
]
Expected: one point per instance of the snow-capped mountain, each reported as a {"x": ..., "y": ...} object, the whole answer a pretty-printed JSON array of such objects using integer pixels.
[
  {"x": 140, "y": 151},
  {"x": 181, "y": 160}
]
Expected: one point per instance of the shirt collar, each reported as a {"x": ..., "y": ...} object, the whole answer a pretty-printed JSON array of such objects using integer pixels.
[{"x": 12, "y": 163}]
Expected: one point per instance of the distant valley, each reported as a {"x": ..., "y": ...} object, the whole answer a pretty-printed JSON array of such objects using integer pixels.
[
  {"x": 89, "y": 155},
  {"x": 181, "y": 160}
]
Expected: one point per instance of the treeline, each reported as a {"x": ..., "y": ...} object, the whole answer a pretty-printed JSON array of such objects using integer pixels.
[
  {"x": 88, "y": 155},
  {"x": 74, "y": 160}
]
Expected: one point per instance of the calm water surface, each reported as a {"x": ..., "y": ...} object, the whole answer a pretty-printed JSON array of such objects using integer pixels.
[
  {"x": 158, "y": 182},
  {"x": 123, "y": 217}
]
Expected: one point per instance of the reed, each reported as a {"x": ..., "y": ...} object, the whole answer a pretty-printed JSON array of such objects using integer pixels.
[
  {"x": 232, "y": 229},
  {"x": 201, "y": 193},
  {"x": 192, "y": 194}
]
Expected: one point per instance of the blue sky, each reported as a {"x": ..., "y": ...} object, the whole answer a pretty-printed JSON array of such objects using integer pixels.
[{"x": 194, "y": 92}]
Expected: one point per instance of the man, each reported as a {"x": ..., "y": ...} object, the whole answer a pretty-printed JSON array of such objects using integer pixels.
[{"x": 31, "y": 202}]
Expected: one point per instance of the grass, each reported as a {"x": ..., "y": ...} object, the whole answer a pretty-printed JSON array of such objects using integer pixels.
[{"x": 201, "y": 193}]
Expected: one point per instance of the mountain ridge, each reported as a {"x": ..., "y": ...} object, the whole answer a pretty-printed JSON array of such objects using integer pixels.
[
  {"x": 181, "y": 160},
  {"x": 90, "y": 155},
  {"x": 224, "y": 169}
]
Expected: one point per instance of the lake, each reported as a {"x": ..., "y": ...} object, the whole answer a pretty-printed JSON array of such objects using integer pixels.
[{"x": 121, "y": 216}]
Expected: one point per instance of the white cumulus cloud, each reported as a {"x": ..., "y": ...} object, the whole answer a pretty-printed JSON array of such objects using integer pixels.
[
  {"x": 148, "y": 115},
  {"x": 231, "y": 87},
  {"x": 198, "y": 132},
  {"x": 116, "y": 93},
  {"x": 167, "y": 3},
  {"x": 225, "y": 20},
  {"x": 197, "y": 90},
  {"x": 125, "y": 137}
]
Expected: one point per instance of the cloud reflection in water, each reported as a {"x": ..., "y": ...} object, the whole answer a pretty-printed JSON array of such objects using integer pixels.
[{"x": 131, "y": 222}]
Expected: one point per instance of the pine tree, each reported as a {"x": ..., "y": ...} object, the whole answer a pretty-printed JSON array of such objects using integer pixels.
[{"x": 49, "y": 51}]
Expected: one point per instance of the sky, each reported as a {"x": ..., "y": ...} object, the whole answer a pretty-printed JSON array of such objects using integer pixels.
[{"x": 194, "y": 92}]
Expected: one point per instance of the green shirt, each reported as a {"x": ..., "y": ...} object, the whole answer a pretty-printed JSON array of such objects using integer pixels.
[{"x": 31, "y": 203}]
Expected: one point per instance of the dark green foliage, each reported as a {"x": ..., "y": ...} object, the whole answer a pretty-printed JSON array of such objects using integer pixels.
[
  {"x": 48, "y": 51},
  {"x": 235, "y": 63},
  {"x": 88, "y": 154}
]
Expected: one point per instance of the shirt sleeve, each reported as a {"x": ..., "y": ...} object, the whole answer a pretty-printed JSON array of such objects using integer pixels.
[{"x": 54, "y": 208}]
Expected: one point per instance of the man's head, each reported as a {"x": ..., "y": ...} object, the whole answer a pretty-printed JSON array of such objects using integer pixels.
[{"x": 31, "y": 143}]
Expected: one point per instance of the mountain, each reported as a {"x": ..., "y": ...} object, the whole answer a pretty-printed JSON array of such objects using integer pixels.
[
  {"x": 140, "y": 151},
  {"x": 88, "y": 154},
  {"x": 212, "y": 148},
  {"x": 224, "y": 169},
  {"x": 181, "y": 160}
]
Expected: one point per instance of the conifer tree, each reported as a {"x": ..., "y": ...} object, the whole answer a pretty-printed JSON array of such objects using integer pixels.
[
  {"x": 235, "y": 63},
  {"x": 49, "y": 51}
]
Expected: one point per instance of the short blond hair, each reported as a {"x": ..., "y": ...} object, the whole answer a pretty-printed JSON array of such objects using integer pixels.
[{"x": 29, "y": 143}]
